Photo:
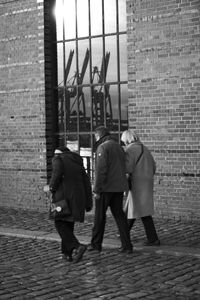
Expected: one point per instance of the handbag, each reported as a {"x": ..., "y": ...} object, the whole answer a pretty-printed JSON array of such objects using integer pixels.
[
  {"x": 59, "y": 209},
  {"x": 128, "y": 206}
]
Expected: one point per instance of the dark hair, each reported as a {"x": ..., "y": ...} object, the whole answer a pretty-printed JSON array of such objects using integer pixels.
[{"x": 102, "y": 131}]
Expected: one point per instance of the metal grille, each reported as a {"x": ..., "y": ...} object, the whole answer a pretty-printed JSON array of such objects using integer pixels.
[{"x": 92, "y": 74}]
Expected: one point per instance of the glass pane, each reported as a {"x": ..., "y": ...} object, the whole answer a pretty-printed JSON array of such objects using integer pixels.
[
  {"x": 67, "y": 107},
  {"x": 71, "y": 104},
  {"x": 85, "y": 144},
  {"x": 110, "y": 16},
  {"x": 98, "y": 110},
  {"x": 96, "y": 17},
  {"x": 70, "y": 63},
  {"x": 112, "y": 108},
  {"x": 84, "y": 56},
  {"x": 97, "y": 54},
  {"x": 70, "y": 93},
  {"x": 58, "y": 12},
  {"x": 60, "y": 65},
  {"x": 61, "y": 115},
  {"x": 69, "y": 19},
  {"x": 111, "y": 58},
  {"x": 123, "y": 58},
  {"x": 84, "y": 109},
  {"x": 122, "y": 15},
  {"x": 86, "y": 153},
  {"x": 72, "y": 142},
  {"x": 124, "y": 107},
  {"x": 83, "y": 18}
]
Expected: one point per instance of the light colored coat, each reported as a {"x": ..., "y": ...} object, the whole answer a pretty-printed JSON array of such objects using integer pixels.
[{"x": 140, "y": 198}]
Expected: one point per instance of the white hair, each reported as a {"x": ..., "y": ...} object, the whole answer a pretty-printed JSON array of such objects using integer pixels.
[
  {"x": 129, "y": 136},
  {"x": 57, "y": 151}
]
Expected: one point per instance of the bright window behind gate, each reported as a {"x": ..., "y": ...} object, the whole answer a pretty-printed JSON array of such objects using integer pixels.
[{"x": 92, "y": 71}]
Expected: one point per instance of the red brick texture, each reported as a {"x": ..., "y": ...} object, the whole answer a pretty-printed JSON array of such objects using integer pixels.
[{"x": 164, "y": 97}]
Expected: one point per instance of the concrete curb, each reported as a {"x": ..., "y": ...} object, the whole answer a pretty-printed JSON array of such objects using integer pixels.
[
  {"x": 108, "y": 243},
  {"x": 41, "y": 235}
]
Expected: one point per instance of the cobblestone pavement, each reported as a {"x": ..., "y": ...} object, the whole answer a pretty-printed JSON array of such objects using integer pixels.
[{"x": 31, "y": 266}]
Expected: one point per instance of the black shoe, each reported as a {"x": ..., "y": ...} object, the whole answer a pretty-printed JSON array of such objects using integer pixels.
[
  {"x": 67, "y": 257},
  {"x": 154, "y": 243},
  {"x": 125, "y": 250},
  {"x": 79, "y": 253},
  {"x": 91, "y": 248}
]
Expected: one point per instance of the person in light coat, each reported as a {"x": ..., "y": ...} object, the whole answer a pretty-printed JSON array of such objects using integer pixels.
[{"x": 140, "y": 167}]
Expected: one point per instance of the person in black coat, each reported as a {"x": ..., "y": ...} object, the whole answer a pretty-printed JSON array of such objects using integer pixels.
[
  {"x": 70, "y": 182},
  {"x": 109, "y": 186}
]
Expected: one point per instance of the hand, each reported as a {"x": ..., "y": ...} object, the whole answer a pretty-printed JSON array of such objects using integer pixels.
[
  {"x": 96, "y": 196},
  {"x": 46, "y": 189}
]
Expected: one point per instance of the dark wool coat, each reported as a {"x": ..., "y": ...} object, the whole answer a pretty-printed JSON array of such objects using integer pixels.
[
  {"x": 110, "y": 173},
  {"x": 141, "y": 175},
  {"x": 69, "y": 181}
]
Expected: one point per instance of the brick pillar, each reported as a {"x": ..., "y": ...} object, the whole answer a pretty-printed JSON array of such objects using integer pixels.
[
  {"x": 164, "y": 96},
  {"x": 22, "y": 116}
]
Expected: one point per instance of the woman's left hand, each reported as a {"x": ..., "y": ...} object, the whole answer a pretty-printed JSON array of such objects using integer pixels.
[{"x": 46, "y": 189}]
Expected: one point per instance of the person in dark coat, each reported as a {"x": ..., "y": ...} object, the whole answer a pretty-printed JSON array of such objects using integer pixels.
[
  {"x": 69, "y": 181},
  {"x": 140, "y": 167},
  {"x": 109, "y": 186}
]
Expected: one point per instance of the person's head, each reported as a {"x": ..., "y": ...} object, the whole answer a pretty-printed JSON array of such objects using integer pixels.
[
  {"x": 100, "y": 132},
  {"x": 61, "y": 149},
  {"x": 129, "y": 136}
]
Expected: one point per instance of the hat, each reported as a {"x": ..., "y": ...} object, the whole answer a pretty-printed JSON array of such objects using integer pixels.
[{"x": 61, "y": 149}]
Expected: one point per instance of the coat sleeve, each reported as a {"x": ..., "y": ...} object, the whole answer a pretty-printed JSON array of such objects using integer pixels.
[
  {"x": 88, "y": 190},
  {"x": 57, "y": 174},
  {"x": 129, "y": 159},
  {"x": 101, "y": 169}
]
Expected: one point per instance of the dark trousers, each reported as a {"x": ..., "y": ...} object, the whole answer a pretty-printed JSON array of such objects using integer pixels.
[
  {"x": 68, "y": 240},
  {"x": 148, "y": 226},
  {"x": 114, "y": 201}
]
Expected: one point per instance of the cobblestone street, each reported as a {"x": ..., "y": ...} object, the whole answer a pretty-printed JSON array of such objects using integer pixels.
[{"x": 31, "y": 266}]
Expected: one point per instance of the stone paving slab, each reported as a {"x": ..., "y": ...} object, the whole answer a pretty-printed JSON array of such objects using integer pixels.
[{"x": 34, "y": 269}]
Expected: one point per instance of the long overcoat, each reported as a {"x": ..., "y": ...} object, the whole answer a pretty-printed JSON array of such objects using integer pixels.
[
  {"x": 68, "y": 181},
  {"x": 140, "y": 197}
]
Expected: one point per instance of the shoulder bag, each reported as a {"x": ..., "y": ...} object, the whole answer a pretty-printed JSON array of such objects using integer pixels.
[{"x": 59, "y": 209}]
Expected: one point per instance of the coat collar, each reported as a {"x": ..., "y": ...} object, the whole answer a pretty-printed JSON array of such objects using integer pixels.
[
  {"x": 102, "y": 140},
  {"x": 134, "y": 143}
]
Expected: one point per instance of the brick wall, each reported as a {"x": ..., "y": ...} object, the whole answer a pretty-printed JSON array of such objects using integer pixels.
[
  {"x": 22, "y": 103},
  {"x": 164, "y": 97}
]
